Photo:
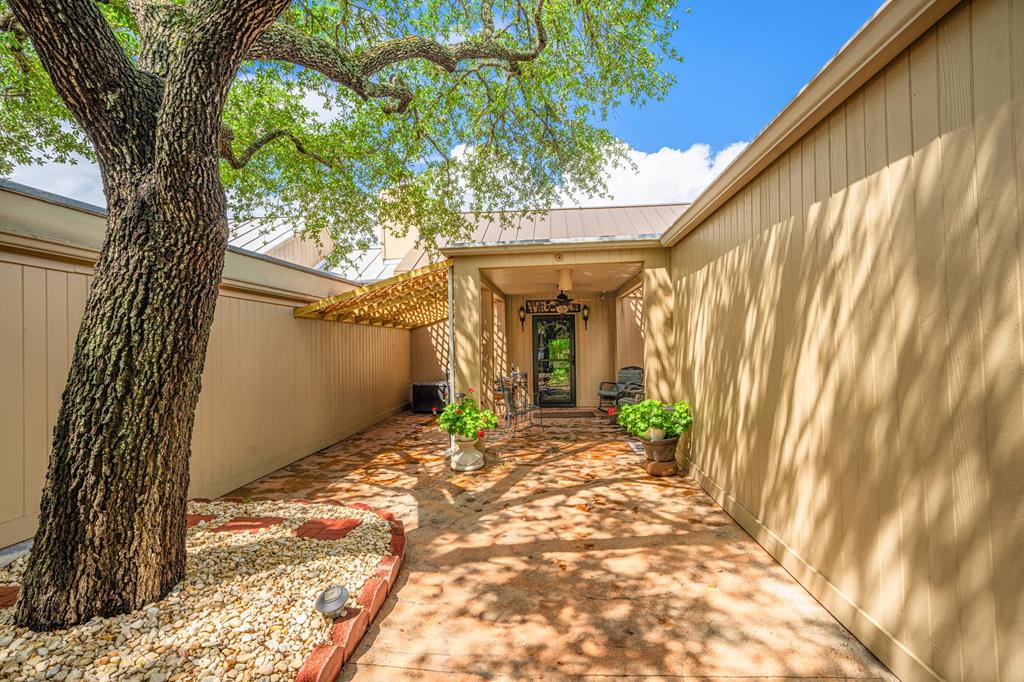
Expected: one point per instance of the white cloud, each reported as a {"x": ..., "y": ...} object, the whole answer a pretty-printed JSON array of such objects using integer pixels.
[
  {"x": 79, "y": 181},
  {"x": 665, "y": 176}
]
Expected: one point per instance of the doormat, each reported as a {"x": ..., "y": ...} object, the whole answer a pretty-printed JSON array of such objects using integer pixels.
[{"x": 636, "y": 446}]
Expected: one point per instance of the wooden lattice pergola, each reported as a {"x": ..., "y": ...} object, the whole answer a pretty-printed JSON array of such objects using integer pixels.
[{"x": 412, "y": 299}]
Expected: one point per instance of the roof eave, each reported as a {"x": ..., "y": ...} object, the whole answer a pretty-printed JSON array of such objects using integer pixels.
[
  {"x": 892, "y": 29},
  {"x": 643, "y": 241}
]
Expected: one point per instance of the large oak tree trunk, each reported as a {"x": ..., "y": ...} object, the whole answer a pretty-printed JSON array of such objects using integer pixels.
[
  {"x": 111, "y": 532},
  {"x": 112, "y": 526}
]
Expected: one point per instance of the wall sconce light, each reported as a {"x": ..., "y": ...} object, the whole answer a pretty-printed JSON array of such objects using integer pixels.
[
  {"x": 522, "y": 318},
  {"x": 586, "y": 317}
]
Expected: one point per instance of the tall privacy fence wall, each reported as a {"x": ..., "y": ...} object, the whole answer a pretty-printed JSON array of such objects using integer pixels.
[
  {"x": 275, "y": 388},
  {"x": 849, "y": 325}
]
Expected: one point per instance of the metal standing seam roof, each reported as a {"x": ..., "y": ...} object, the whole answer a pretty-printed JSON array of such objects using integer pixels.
[
  {"x": 561, "y": 223},
  {"x": 369, "y": 266}
]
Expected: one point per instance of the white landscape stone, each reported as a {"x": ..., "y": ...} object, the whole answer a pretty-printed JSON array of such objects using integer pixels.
[{"x": 245, "y": 610}]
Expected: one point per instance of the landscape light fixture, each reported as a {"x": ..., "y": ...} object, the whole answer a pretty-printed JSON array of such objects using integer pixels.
[
  {"x": 522, "y": 318},
  {"x": 586, "y": 317},
  {"x": 331, "y": 602}
]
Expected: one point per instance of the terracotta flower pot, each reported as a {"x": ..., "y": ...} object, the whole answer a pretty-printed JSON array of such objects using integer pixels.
[{"x": 663, "y": 450}]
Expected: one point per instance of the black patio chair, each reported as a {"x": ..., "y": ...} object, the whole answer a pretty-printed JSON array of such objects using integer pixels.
[
  {"x": 517, "y": 401},
  {"x": 628, "y": 386},
  {"x": 632, "y": 394}
]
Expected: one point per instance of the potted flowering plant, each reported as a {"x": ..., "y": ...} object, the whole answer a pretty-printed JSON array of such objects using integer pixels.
[
  {"x": 468, "y": 423},
  {"x": 658, "y": 426}
]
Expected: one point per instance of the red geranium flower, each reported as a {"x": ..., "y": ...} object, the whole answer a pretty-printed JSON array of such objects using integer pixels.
[
  {"x": 458, "y": 411},
  {"x": 434, "y": 409},
  {"x": 472, "y": 390},
  {"x": 481, "y": 433},
  {"x": 611, "y": 411}
]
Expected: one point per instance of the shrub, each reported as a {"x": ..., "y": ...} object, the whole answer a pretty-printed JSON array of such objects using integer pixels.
[
  {"x": 654, "y": 414},
  {"x": 465, "y": 419}
]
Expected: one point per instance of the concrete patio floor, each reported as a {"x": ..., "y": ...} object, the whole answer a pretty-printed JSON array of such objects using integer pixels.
[{"x": 566, "y": 561}]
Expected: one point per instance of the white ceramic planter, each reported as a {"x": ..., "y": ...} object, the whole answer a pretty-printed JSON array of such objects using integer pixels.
[
  {"x": 466, "y": 457},
  {"x": 655, "y": 434}
]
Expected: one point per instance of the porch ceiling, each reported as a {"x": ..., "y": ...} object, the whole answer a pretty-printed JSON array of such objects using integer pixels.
[
  {"x": 411, "y": 299},
  {"x": 595, "y": 277}
]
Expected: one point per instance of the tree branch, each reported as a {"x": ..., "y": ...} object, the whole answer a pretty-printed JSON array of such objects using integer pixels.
[
  {"x": 106, "y": 93},
  {"x": 355, "y": 70},
  {"x": 239, "y": 161}
]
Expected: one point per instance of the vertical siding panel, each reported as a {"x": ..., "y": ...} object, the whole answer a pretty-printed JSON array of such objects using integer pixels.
[
  {"x": 843, "y": 464},
  {"x": 914, "y": 623},
  {"x": 769, "y": 313},
  {"x": 57, "y": 363},
  {"x": 884, "y": 532},
  {"x": 805, "y": 409},
  {"x": 1000, "y": 312},
  {"x": 1007, "y": 464},
  {"x": 928, "y": 402},
  {"x": 782, "y": 467},
  {"x": 739, "y": 312},
  {"x": 78, "y": 291},
  {"x": 966, "y": 569},
  {"x": 12, "y": 404},
  {"x": 861, "y": 249},
  {"x": 826, "y": 513},
  {"x": 37, "y": 433}
]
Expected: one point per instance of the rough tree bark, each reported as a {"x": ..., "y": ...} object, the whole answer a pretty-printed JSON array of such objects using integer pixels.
[{"x": 112, "y": 521}]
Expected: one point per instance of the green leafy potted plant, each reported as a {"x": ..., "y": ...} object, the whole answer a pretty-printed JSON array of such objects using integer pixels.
[
  {"x": 468, "y": 423},
  {"x": 658, "y": 426}
]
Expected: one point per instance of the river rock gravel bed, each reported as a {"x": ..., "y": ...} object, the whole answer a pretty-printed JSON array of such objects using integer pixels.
[{"x": 245, "y": 610}]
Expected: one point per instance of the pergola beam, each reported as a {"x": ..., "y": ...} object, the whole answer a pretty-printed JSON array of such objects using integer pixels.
[{"x": 411, "y": 299}]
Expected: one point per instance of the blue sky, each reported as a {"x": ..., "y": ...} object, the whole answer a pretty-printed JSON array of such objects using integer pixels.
[{"x": 744, "y": 61}]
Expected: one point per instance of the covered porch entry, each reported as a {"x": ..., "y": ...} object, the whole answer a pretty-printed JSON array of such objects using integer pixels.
[
  {"x": 567, "y": 316},
  {"x": 567, "y": 328}
]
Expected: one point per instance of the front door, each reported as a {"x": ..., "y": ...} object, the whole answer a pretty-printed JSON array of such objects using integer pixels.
[{"x": 554, "y": 360}]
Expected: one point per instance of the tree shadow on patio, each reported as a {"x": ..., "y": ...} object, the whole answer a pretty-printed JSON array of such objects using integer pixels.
[{"x": 566, "y": 559}]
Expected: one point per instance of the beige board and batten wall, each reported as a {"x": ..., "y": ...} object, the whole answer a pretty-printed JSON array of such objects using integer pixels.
[
  {"x": 629, "y": 330},
  {"x": 275, "y": 388},
  {"x": 428, "y": 354},
  {"x": 849, "y": 329}
]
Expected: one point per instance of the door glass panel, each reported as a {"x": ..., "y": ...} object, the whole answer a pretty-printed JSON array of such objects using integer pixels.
[{"x": 555, "y": 362}]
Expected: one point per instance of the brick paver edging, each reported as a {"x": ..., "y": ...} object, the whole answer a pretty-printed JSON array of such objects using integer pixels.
[{"x": 326, "y": 661}]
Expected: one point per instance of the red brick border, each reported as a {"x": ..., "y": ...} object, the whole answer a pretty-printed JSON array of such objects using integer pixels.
[
  {"x": 327, "y": 529},
  {"x": 327, "y": 660},
  {"x": 195, "y": 519},
  {"x": 8, "y": 596}
]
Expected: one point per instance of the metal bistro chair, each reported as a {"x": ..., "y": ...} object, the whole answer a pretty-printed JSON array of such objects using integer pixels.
[
  {"x": 517, "y": 401},
  {"x": 628, "y": 387}
]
